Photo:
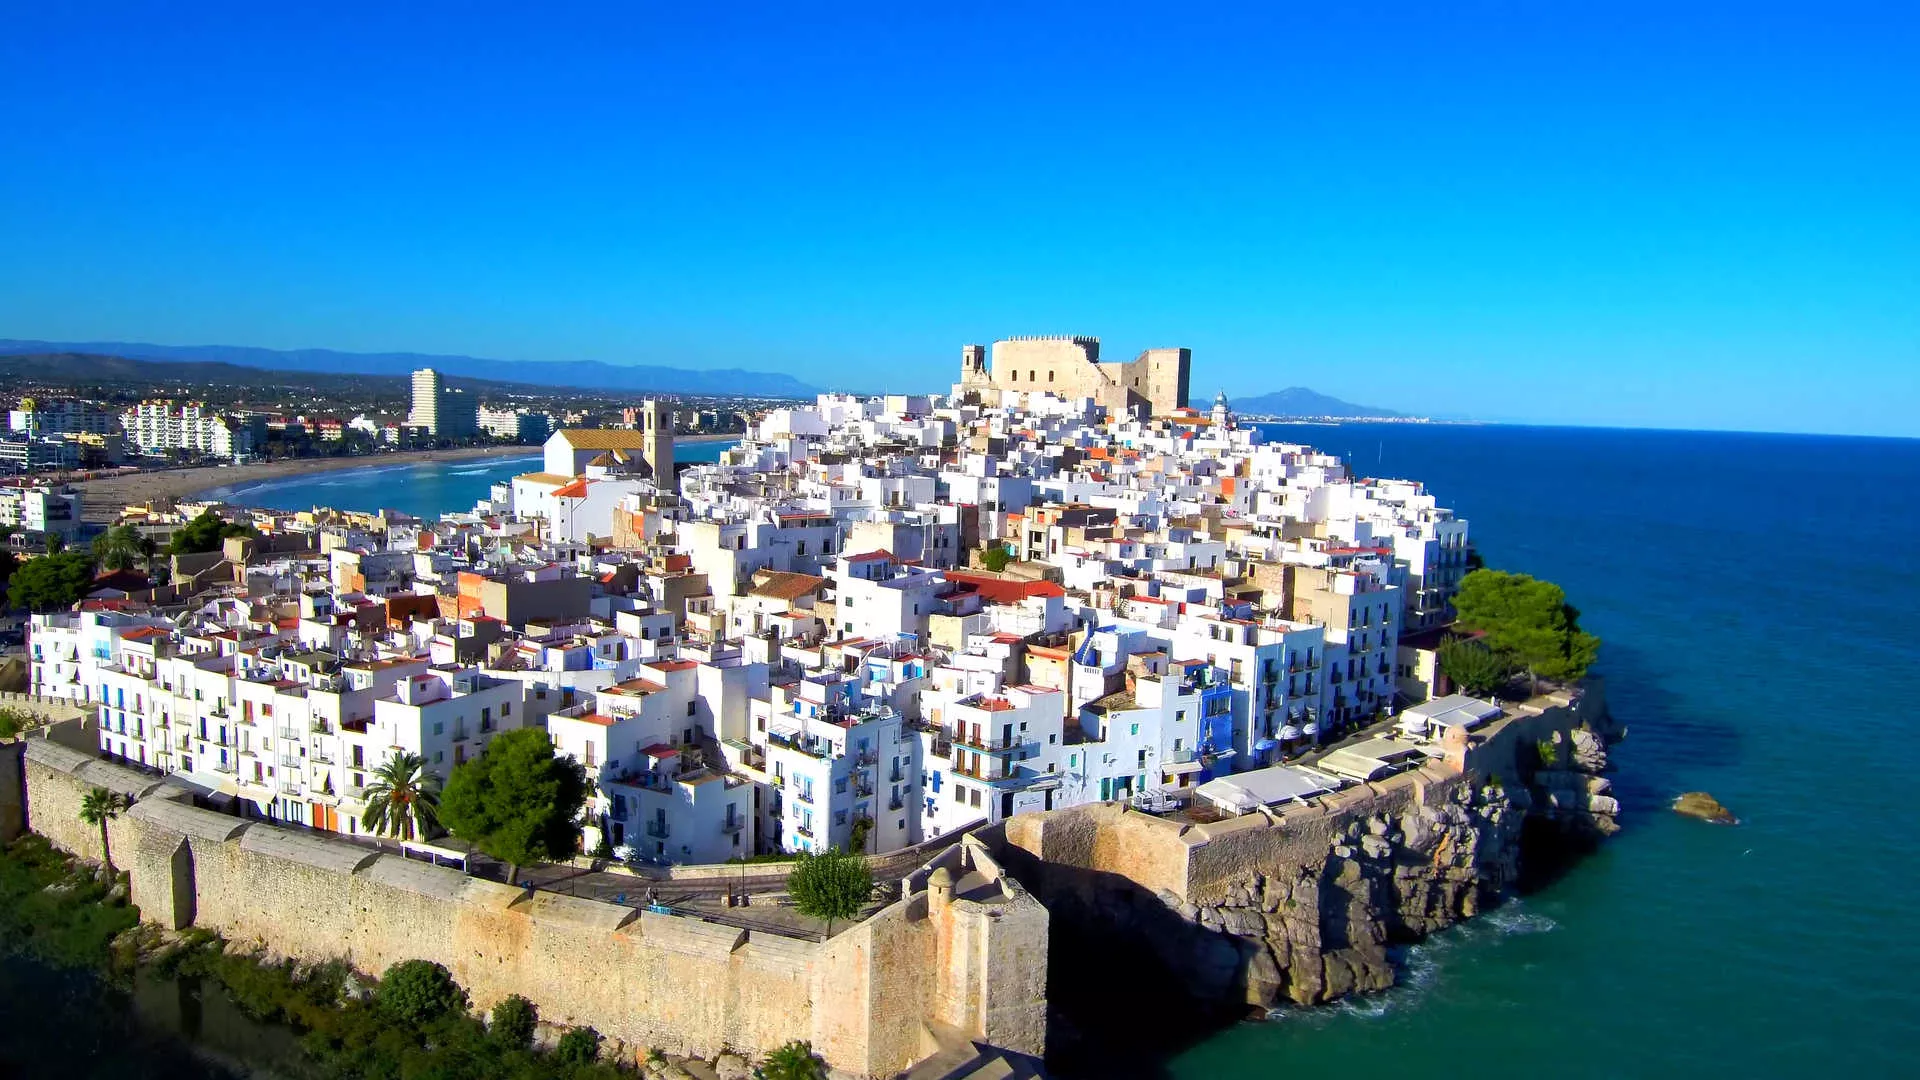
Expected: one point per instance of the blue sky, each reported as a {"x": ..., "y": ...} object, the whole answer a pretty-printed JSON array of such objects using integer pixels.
[{"x": 1650, "y": 215}]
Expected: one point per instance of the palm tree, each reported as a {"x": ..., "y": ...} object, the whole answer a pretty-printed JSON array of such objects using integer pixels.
[
  {"x": 97, "y": 807},
  {"x": 404, "y": 799}
]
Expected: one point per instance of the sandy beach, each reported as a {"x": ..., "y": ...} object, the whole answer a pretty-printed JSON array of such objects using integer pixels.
[{"x": 104, "y": 496}]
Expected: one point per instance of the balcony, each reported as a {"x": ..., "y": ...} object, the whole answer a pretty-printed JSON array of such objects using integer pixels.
[
  {"x": 987, "y": 745},
  {"x": 865, "y": 759},
  {"x": 802, "y": 830},
  {"x": 803, "y": 795},
  {"x": 732, "y": 825},
  {"x": 658, "y": 829},
  {"x": 896, "y": 803}
]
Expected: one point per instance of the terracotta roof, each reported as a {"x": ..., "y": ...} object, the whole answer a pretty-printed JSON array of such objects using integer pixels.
[
  {"x": 871, "y": 556},
  {"x": 545, "y": 478},
  {"x": 603, "y": 438},
  {"x": 781, "y": 585}
]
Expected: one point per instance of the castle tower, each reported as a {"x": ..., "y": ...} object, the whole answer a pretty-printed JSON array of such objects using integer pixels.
[{"x": 656, "y": 431}]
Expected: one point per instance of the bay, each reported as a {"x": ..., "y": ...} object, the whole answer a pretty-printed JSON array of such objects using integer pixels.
[{"x": 424, "y": 489}]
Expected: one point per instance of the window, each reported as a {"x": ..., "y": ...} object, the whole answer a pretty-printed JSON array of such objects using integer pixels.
[{"x": 1136, "y": 729}]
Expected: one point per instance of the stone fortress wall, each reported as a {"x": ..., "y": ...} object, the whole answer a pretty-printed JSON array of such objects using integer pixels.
[
  {"x": 920, "y": 974},
  {"x": 1070, "y": 367},
  {"x": 1300, "y": 904}
]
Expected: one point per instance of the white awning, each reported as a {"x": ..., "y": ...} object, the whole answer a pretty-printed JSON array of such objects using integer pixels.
[{"x": 1181, "y": 767}]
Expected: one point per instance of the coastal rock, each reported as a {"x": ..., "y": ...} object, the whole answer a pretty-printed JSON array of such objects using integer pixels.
[
  {"x": 1701, "y": 805},
  {"x": 732, "y": 1067},
  {"x": 1589, "y": 750}
]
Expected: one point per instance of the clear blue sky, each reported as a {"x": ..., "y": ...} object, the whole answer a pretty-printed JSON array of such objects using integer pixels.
[{"x": 1644, "y": 214}]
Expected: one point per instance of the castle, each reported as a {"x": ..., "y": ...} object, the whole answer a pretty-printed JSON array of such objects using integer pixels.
[{"x": 1155, "y": 382}]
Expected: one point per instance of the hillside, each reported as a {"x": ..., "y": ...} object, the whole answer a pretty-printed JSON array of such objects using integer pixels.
[
  {"x": 1298, "y": 401},
  {"x": 581, "y": 374}
]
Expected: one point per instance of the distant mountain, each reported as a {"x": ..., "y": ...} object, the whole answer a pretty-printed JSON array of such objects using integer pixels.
[
  {"x": 1300, "y": 401},
  {"x": 583, "y": 374}
]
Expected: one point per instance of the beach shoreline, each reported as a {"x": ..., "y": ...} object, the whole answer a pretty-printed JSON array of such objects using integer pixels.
[{"x": 104, "y": 497}]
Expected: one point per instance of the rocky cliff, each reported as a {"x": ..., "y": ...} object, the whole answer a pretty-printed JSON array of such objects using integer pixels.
[{"x": 1302, "y": 905}]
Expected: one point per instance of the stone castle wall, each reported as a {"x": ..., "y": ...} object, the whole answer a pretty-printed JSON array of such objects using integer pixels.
[
  {"x": 1301, "y": 904},
  {"x": 866, "y": 1000},
  {"x": 1070, "y": 367}
]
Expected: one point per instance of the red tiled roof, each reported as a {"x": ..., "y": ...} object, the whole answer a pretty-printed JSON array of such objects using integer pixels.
[{"x": 871, "y": 556}]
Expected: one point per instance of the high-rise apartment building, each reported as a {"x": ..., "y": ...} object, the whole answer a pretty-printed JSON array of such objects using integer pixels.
[{"x": 446, "y": 413}]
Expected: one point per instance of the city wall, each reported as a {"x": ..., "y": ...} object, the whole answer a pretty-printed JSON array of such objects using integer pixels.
[
  {"x": 872, "y": 1000},
  {"x": 1301, "y": 902}
]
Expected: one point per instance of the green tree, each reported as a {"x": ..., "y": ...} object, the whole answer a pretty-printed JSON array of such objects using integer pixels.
[
  {"x": 97, "y": 807},
  {"x": 830, "y": 885},
  {"x": 995, "y": 557},
  {"x": 205, "y": 533},
  {"x": 122, "y": 547},
  {"x": 418, "y": 992},
  {"x": 403, "y": 801},
  {"x": 1473, "y": 667},
  {"x": 15, "y": 721},
  {"x": 517, "y": 802},
  {"x": 794, "y": 1061},
  {"x": 581, "y": 1046},
  {"x": 514, "y": 1022},
  {"x": 51, "y": 582},
  {"x": 1528, "y": 620}
]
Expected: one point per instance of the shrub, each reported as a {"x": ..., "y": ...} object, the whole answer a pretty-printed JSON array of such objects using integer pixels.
[
  {"x": 514, "y": 1019},
  {"x": 419, "y": 992},
  {"x": 794, "y": 1061},
  {"x": 581, "y": 1046},
  {"x": 1549, "y": 753}
]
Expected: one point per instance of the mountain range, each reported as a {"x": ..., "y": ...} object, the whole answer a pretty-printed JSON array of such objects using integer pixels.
[
  {"x": 583, "y": 374},
  {"x": 1298, "y": 401}
]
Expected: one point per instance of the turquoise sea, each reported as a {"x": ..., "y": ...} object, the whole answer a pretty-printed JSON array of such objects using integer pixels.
[
  {"x": 424, "y": 489},
  {"x": 1752, "y": 591}
]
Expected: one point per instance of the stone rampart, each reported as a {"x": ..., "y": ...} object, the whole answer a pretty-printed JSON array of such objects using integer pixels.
[
  {"x": 1301, "y": 902},
  {"x": 866, "y": 999}
]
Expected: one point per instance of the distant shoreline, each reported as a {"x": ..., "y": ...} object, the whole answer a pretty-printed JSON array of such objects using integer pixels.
[{"x": 104, "y": 497}]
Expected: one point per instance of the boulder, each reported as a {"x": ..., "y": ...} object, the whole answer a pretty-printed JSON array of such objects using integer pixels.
[
  {"x": 732, "y": 1067},
  {"x": 1701, "y": 805}
]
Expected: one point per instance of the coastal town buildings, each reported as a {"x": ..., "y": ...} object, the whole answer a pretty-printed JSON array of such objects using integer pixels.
[{"x": 872, "y": 623}]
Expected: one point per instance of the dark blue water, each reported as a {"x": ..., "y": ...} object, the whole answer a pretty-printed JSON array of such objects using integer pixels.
[
  {"x": 1754, "y": 593},
  {"x": 424, "y": 489}
]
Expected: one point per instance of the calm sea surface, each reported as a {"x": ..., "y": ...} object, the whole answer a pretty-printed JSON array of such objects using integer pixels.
[
  {"x": 423, "y": 489},
  {"x": 1753, "y": 592}
]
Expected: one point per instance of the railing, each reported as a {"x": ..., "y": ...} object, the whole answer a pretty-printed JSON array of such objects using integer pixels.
[
  {"x": 988, "y": 745},
  {"x": 804, "y": 795},
  {"x": 896, "y": 803},
  {"x": 802, "y": 830},
  {"x": 733, "y": 825},
  {"x": 658, "y": 829}
]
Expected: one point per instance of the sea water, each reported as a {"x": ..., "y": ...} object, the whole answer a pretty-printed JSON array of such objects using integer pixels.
[
  {"x": 1754, "y": 593},
  {"x": 425, "y": 489}
]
